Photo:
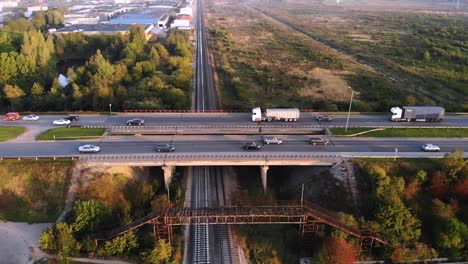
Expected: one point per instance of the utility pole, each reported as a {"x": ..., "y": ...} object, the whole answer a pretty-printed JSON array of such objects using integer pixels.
[{"x": 349, "y": 110}]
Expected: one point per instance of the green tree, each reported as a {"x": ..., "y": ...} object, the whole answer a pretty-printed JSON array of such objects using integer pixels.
[
  {"x": 48, "y": 240},
  {"x": 123, "y": 245},
  {"x": 455, "y": 163},
  {"x": 161, "y": 253},
  {"x": 443, "y": 211},
  {"x": 68, "y": 245},
  {"x": 8, "y": 66},
  {"x": 397, "y": 221},
  {"x": 427, "y": 56},
  {"x": 88, "y": 215},
  {"x": 13, "y": 94},
  {"x": 453, "y": 238},
  {"x": 410, "y": 100},
  {"x": 37, "y": 89}
]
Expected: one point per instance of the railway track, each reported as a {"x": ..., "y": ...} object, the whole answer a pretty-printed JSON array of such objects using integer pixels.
[{"x": 207, "y": 243}]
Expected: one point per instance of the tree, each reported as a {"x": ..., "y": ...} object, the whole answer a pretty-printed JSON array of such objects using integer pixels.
[
  {"x": 13, "y": 94},
  {"x": 123, "y": 245},
  {"x": 454, "y": 163},
  {"x": 335, "y": 251},
  {"x": 442, "y": 210},
  {"x": 37, "y": 89},
  {"x": 410, "y": 100},
  {"x": 427, "y": 56},
  {"x": 88, "y": 215},
  {"x": 453, "y": 237},
  {"x": 438, "y": 185},
  {"x": 461, "y": 189},
  {"x": 416, "y": 252},
  {"x": 162, "y": 252},
  {"x": 397, "y": 221},
  {"x": 48, "y": 240},
  {"x": 67, "y": 243}
]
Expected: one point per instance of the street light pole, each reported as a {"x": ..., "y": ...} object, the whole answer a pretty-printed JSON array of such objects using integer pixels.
[
  {"x": 349, "y": 110},
  {"x": 110, "y": 109}
]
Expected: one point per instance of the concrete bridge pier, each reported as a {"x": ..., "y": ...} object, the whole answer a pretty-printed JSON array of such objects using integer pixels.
[
  {"x": 264, "y": 175},
  {"x": 168, "y": 173}
]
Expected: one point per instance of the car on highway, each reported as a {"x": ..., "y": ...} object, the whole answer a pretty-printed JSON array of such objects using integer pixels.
[
  {"x": 61, "y": 122},
  {"x": 72, "y": 117},
  {"x": 272, "y": 140},
  {"x": 11, "y": 116},
  {"x": 321, "y": 118},
  {"x": 89, "y": 148},
  {"x": 318, "y": 141},
  {"x": 135, "y": 122},
  {"x": 164, "y": 148},
  {"x": 430, "y": 147},
  {"x": 251, "y": 146},
  {"x": 31, "y": 118}
]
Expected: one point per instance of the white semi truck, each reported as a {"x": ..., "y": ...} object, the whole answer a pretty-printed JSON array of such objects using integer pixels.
[
  {"x": 417, "y": 113},
  {"x": 275, "y": 114}
]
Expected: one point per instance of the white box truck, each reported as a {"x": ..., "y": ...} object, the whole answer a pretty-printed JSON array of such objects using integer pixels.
[{"x": 275, "y": 114}]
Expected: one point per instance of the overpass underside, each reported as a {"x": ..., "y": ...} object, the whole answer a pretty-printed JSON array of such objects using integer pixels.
[{"x": 170, "y": 161}]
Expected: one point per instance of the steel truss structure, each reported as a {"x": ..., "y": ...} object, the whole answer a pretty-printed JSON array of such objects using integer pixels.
[{"x": 310, "y": 217}]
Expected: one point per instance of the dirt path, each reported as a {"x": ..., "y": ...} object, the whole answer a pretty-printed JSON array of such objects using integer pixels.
[
  {"x": 30, "y": 134},
  {"x": 19, "y": 242}
]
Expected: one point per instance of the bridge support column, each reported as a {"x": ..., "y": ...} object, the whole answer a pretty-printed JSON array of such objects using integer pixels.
[
  {"x": 168, "y": 172},
  {"x": 264, "y": 175}
]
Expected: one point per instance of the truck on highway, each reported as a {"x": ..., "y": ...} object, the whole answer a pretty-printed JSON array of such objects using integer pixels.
[
  {"x": 275, "y": 114},
  {"x": 417, "y": 113}
]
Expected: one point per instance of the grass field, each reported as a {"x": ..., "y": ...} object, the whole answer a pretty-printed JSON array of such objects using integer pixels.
[
  {"x": 404, "y": 132},
  {"x": 419, "y": 57},
  {"x": 32, "y": 191},
  {"x": 71, "y": 133},
  {"x": 10, "y": 132}
]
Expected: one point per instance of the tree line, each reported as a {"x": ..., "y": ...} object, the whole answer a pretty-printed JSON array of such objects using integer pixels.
[{"x": 127, "y": 71}]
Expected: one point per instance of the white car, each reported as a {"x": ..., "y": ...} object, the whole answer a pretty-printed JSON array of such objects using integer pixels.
[
  {"x": 31, "y": 118},
  {"x": 61, "y": 122},
  {"x": 430, "y": 147},
  {"x": 89, "y": 149},
  {"x": 272, "y": 140}
]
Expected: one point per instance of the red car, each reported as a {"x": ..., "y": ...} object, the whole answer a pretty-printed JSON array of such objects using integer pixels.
[{"x": 11, "y": 116}]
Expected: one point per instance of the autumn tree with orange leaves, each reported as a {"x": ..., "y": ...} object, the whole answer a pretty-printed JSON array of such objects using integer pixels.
[{"x": 335, "y": 250}]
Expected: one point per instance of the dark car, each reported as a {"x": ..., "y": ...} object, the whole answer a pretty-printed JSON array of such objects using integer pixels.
[
  {"x": 324, "y": 118},
  {"x": 72, "y": 118},
  {"x": 318, "y": 141},
  {"x": 135, "y": 122},
  {"x": 251, "y": 146},
  {"x": 164, "y": 148}
]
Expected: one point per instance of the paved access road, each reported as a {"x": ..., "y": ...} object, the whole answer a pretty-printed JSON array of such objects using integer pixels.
[
  {"x": 238, "y": 119},
  {"x": 228, "y": 144}
]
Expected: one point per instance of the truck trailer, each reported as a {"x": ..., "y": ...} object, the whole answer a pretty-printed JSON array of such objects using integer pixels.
[
  {"x": 417, "y": 113},
  {"x": 275, "y": 114}
]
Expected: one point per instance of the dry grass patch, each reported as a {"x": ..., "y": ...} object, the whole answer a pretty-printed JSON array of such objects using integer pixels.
[{"x": 330, "y": 85}]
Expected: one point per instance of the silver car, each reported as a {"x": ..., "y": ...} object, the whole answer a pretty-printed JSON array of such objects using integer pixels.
[
  {"x": 430, "y": 147},
  {"x": 31, "y": 118},
  {"x": 272, "y": 140},
  {"x": 88, "y": 149},
  {"x": 61, "y": 122}
]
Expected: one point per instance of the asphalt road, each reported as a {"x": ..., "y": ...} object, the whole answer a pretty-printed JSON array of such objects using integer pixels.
[
  {"x": 238, "y": 119},
  {"x": 226, "y": 144}
]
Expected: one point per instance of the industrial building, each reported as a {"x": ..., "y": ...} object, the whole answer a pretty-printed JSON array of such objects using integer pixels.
[
  {"x": 141, "y": 16},
  {"x": 107, "y": 29}
]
